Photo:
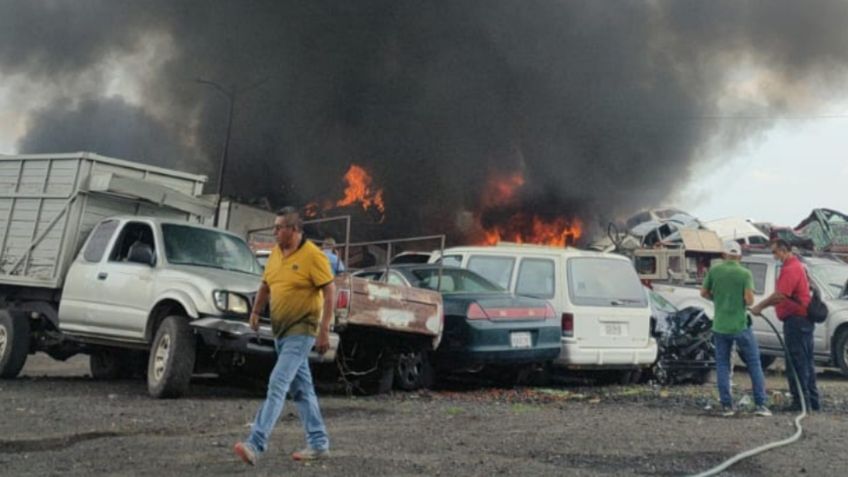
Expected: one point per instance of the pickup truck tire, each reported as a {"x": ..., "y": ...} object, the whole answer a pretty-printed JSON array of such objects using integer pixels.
[
  {"x": 172, "y": 357},
  {"x": 840, "y": 351},
  {"x": 14, "y": 343},
  {"x": 108, "y": 364},
  {"x": 413, "y": 370}
]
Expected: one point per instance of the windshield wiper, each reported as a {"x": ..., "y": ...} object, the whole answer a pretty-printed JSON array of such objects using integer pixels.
[{"x": 217, "y": 267}]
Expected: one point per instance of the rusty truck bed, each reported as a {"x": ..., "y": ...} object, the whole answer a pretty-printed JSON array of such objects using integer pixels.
[{"x": 391, "y": 307}]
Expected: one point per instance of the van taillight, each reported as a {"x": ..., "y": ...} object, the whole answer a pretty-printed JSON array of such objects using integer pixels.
[
  {"x": 342, "y": 299},
  {"x": 567, "y": 324},
  {"x": 475, "y": 312}
]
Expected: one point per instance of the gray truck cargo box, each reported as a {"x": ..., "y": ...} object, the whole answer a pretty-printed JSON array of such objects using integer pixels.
[{"x": 50, "y": 202}]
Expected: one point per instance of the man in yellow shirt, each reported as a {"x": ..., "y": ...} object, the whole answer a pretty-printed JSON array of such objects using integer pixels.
[{"x": 299, "y": 282}]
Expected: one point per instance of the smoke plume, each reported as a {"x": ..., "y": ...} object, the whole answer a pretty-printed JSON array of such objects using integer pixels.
[{"x": 602, "y": 107}]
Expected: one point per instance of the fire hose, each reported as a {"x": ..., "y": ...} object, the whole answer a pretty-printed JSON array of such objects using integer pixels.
[{"x": 771, "y": 445}]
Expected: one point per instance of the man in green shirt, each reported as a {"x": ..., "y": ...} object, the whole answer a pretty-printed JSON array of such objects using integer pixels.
[{"x": 730, "y": 286}]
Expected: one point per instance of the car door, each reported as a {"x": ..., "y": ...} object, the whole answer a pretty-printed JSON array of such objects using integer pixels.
[
  {"x": 127, "y": 286},
  {"x": 764, "y": 274}
]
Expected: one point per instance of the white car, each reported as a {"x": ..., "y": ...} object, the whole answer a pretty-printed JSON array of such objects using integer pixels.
[{"x": 604, "y": 312}]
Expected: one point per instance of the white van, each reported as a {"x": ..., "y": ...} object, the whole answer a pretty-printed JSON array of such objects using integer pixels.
[{"x": 605, "y": 313}]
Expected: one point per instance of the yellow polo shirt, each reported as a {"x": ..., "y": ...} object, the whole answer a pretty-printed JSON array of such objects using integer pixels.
[{"x": 295, "y": 282}]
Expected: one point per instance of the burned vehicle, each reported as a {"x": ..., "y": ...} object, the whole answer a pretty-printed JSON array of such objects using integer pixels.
[
  {"x": 485, "y": 328},
  {"x": 685, "y": 340}
]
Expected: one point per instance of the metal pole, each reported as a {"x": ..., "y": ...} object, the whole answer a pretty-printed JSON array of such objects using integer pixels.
[{"x": 223, "y": 166}]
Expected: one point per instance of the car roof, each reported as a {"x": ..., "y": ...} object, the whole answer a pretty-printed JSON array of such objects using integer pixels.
[
  {"x": 508, "y": 248},
  {"x": 162, "y": 221}
]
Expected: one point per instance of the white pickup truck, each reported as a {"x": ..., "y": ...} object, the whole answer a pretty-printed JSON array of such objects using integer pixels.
[
  {"x": 829, "y": 275},
  {"x": 110, "y": 258}
]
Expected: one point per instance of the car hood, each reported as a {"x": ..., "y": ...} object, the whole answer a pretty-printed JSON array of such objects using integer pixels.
[{"x": 216, "y": 278}]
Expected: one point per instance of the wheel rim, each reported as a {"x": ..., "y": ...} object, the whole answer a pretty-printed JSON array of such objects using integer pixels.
[
  {"x": 160, "y": 357},
  {"x": 3, "y": 340},
  {"x": 409, "y": 367},
  {"x": 844, "y": 355}
]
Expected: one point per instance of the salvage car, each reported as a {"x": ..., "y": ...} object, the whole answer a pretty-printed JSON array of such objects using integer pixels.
[
  {"x": 603, "y": 311},
  {"x": 485, "y": 326},
  {"x": 685, "y": 341}
]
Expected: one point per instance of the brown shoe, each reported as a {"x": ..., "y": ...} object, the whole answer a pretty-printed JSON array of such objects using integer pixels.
[{"x": 310, "y": 454}]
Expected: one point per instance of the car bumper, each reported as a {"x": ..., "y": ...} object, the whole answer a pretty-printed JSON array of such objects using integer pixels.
[
  {"x": 573, "y": 355},
  {"x": 237, "y": 336},
  {"x": 489, "y": 343}
]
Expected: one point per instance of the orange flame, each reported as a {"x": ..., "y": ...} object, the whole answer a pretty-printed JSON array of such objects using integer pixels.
[
  {"x": 522, "y": 228},
  {"x": 359, "y": 190},
  {"x": 502, "y": 190}
]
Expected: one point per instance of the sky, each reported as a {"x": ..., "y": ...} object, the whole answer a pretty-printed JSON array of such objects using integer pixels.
[{"x": 778, "y": 176}]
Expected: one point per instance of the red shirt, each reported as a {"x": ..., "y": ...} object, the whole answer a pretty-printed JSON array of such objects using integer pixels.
[{"x": 794, "y": 285}]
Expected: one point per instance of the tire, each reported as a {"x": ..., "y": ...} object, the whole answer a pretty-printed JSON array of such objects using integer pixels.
[
  {"x": 413, "y": 370},
  {"x": 840, "y": 351},
  {"x": 767, "y": 360},
  {"x": 108, "y": 364},
  {"x": 172, "y": 357},
  {"x": 14, "y": 343}
]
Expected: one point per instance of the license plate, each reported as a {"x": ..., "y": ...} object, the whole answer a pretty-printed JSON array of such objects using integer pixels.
[
  {"x": 612, "y": 329},
  {"x": 520, "y": 340}
]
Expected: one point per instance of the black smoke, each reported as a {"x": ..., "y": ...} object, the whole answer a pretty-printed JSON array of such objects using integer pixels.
[{"x": 603, "y": 106}]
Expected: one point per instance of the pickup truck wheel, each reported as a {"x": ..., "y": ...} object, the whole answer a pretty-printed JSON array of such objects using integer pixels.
[
  {"x": 841, "y": 351},
  {"x": 171, "y": 359},
  {"x": 413, "y": 370},
  {"x": 14, "y": 343},
  {"x": 107, "y": 364}
]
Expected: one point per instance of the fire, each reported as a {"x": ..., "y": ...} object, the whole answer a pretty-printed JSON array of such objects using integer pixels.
[
  {"x": 502, "y": 189},
  {"x": 359, "y": 190},
  {"x": 502, "y": 192},
  {"x": 523, "y": 228}
]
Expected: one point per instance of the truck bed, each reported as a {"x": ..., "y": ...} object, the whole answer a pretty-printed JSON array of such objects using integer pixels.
[{"x": 50, "y": 202}]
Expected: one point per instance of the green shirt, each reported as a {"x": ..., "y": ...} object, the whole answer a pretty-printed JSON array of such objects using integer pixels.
[{"x": 727, "y": 283}]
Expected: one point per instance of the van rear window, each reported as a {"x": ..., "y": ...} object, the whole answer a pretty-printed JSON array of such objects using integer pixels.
[
  {"x": 493, "y": 268},
  {"x": 594, "y": 281}
]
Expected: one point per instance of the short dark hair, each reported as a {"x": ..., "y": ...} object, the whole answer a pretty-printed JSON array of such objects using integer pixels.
[
  {"x": 782, "y": 245},
  {"x": 292, "y": 216}
]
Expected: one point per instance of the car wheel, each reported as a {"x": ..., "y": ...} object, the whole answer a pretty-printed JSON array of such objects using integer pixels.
[
  {"x": 767, "y": 360},
  {"x": 107, "y": 363},
  {"x": 172, "y": 357},
  {"x": 413, "y": 370},
  {"x": 14, "y": 343},
  {"x": 841, "y": 351}
]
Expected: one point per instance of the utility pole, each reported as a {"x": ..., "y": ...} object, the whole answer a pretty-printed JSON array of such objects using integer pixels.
[{"x": 230, "y": 95}]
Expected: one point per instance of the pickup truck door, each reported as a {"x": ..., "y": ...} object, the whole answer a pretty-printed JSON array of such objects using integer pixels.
[
  {"x": 76, "y": 312},
  {"x": 113, "y": 296}
]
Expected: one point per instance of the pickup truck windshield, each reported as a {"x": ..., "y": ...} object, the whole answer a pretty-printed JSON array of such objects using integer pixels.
[
  {"x": 604, "y": 282},
  {"x": 833, "y": 276},
  {"x": 187, "y": 245},
  {"x": 453, "y": 281}
]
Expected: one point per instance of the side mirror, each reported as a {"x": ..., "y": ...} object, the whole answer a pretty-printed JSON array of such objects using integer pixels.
[{"x": 141, "y": 253}]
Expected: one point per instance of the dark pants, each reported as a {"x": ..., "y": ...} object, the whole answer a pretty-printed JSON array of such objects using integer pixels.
[{"x": 798, "y": 335}]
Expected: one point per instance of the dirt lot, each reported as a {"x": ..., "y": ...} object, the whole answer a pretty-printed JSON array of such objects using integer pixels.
[{"x": 57, "y": 421}]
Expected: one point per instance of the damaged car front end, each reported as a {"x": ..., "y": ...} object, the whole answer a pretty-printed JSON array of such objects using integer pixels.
[{"x": 685, "y": 342}]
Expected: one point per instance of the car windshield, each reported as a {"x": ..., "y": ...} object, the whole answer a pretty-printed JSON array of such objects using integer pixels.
[
  {"x": 187, "y": 245},
  {"x": 453, "y": 281},
  {"x": 660, "y": 303},
  {"x": 597, "y": 281},
  {"x": 832, "y": 275}
]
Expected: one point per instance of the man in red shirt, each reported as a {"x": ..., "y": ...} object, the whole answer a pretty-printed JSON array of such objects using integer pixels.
[{"x": 790, "y": 299}]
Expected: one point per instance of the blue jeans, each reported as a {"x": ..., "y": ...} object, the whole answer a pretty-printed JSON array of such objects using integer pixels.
[
  {"x": 291, "y": 373},
  {"x": 747, "y": 345},
  {"x": 798, "y": 336}
]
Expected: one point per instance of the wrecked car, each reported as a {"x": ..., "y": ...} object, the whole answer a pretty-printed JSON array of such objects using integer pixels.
[
  {"x": 685, "y": 343},
  {"x": 827, "y": 228},
  {"x": 485, "y": 326}
]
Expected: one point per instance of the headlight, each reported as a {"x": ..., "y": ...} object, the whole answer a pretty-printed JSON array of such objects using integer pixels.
[{"x": 232, "y": 302}]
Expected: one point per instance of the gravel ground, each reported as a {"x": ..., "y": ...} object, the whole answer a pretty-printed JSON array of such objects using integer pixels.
[{"x": 57, "y": 421}]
